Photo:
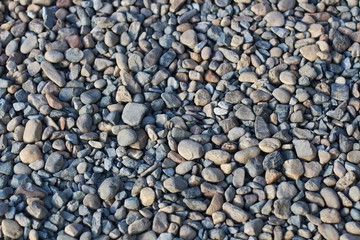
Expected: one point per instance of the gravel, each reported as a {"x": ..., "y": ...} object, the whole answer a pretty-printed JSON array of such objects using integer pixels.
[{"x": 179, "y": 119}]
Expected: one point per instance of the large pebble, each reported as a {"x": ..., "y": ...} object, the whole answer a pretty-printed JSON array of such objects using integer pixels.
[
  {"x": 190, "y": 150},
  {"x": 109, "y": 188},
  {"x": 30, "y": 154}
]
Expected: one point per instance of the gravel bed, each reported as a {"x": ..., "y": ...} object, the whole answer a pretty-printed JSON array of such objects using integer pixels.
[{"x": 179, "y": 119}]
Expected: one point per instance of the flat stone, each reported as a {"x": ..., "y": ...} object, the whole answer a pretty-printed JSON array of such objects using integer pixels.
[
  {"x": 245, "y": 113},
  {"x": 126, "y": 137},
  {"x": 269, "y": 145},
  {"x": 215, "y": 204},
  {"x": 147, "y": 196},
  {"x": 286, "y": 190},
  {"x": 213, "y": 175},
  {"x": 238, "y": 177},
  {"x": 33, "y": 131},
  {"x": 293, "y": 169},
  {"x": 171, "y": 100},
  {"x": 133, "y": 113},
  {"x": 37, "y": 210},
  {"x": 305, "y": 150},
  {"x": 328, "y": 231},
  {"x": 92, "y": 201},
  {"x": 54, "y": 162},
  {"x": 30, "y": 154},
  {"x": 190, "y": 149},
  {"x": 261, "y": 128},
  {"x": 273, "y": 160},
  {"x": 189, "y": 38},
  {"x": 51, "y": 72},
  {"x": 139, "y": 226},
  {"x": 309, "y": 52},
  {"x": 218, "y": 156},
  {"x": 274, "y": 19},
  {"x": 282, "y": 208},
  {"x": 235, "y": 213},
  {"x": 175, "y": 184},
  {"x": 330, "y": 197},
  {"x": 253, "y": 227},
  {"x": 11, "y": 229},
  {"x": 109, "y": 188},
  {"x": 90, "y": 96},
  {"x": 353, "y": 156},
  {"x": 160, "y": 222},
  {"x": 74, "y": 229},
  {"x": 340, "y": 92},
  {"x": 202, "y": 97}
]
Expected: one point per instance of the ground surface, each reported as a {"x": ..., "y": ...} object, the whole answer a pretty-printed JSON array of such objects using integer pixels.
[{"x": 179, "y": 120}]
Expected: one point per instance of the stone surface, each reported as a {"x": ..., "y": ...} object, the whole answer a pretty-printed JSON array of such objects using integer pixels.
[
  {"x": 109, "y": 188},
  {"x": 133, "y": 113},
  {"x": 30, "y": 154},
  {"x": 305, "y": 150},
  {"x": 190, "y": 150},
  {"x": 11, "y": 229}
]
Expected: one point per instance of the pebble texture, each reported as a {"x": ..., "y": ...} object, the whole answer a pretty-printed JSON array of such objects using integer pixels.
[{"x": 175, "y": 119}]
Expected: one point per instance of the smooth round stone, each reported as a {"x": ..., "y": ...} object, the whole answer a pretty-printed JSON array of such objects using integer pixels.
[
  {"x": 248, "y": 77},
  {"x": 109, "y": 188},
  {"x": 92, "y": 201},
  {"x": 84, "y": 123},
  {"x": 222, "y": 3},
  {"x": 288, "y": 78},
  {"x": 269, "y": 145},
  {"x": 74, "y": 55},
  {"x": 54, "y": 56},
  {"x": 190, "y": 149},
  {"x": 126, "y": 137},
  {"x": 147, "y": 196},
  {"x": 293, "y": 168},
  {"x": 218, "y": 156},
  {"x": 21, "y": 168},
  {"x": 90, "y": 96},
  {"x": 202, "y": 97},
  {"x": 30, "y": 154},
  {"x": 274, "y": 19},
  {"x": 33, "y": 131},
  {"x": 54, "y": 163},
  {"x": 189, "y": 38},
  {"x": 213, "y": 175},
  {"x": 11, "y": 229},
  {"x": 175, "y": 184}
]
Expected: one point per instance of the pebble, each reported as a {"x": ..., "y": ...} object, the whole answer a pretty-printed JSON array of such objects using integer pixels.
[
  {"x": 147, "y": 196},
  {"x": 293, "y": 169},
  {"x": 253, "y": 227},
  {"x": 305, "y": 150},
  {"x": 126, "y": 137},
  {"x": 274, "y": 19},
  {"x": 133, "y": 113},
  {"x": 109, "y": 188},
  {"x": 33, "y": 131},
  {"x": 11, "y": 229},
  {"x": 54, "y": 163},
  {"x": 189, "y": 38},
  {"x": 218, "y": 157},
  {"x": 269, "y": 145},
  {"x": 175, "y": 184},
  {"x": 179, "y": 119},
  {"x": 51, "y": 72},
  {"x": 235, "y": 213},
  {"x": 30, "y": 154},
  {"x": 190, "y": 150},
  {"x": 213, "y": 175},
  {"x": 328, "y": 232}
]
